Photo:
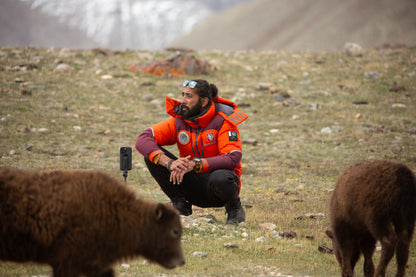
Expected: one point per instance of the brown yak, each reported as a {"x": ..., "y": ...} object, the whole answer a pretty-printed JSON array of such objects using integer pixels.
[
  {"x": 373, "y": 201},
  {"x": 81, "y": 222}
]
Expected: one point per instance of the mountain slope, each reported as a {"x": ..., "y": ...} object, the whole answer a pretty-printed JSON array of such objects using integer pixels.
[
  {"x": 305, "y": 24},
  {"x": 116, "y": 24},
  {"x": 22, "y": 26}
]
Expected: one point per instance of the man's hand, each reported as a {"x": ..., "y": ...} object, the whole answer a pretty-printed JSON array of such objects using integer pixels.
[{"x": 179, "y": 168}]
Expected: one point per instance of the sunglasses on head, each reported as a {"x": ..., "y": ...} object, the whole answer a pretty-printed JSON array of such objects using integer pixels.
[{"x": 191, "y": 84}]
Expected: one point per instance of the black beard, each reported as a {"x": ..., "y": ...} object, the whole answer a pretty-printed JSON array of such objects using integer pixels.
[{"x": 187, "y": 113}]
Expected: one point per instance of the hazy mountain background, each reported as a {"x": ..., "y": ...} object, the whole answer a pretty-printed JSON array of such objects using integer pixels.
[
  {"x": 117, "y": 24},
  {"x": 207, "y": 24},
  {"x": 306, "y": 24}
]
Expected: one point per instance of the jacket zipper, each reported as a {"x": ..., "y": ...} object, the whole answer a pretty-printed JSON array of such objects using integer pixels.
[{"x": 200, "y": 153}]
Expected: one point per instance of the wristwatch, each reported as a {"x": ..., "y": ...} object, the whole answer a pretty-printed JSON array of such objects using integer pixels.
[{"x": 198, "y": 165}]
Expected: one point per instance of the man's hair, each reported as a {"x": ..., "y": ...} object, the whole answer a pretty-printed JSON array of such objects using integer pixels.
[{"x": 205, "y": 89}]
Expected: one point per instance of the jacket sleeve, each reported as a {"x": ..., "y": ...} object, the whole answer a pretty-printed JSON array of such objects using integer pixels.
[
  {"x": 230, "y": 149},
  {"x": 163, "y": 133}
]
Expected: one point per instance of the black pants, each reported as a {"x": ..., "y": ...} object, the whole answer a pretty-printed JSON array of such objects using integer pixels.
[{"x": 201, "y": 189}]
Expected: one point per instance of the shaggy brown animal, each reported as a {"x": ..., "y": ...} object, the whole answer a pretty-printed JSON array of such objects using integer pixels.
[
  {"x": 374, "y": 201},
  {"x": 82, "y": 222}
]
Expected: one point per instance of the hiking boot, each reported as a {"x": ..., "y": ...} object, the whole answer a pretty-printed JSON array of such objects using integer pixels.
[
  {"x": 183, "y": 206},
  {"x": 235, "y": 211}
]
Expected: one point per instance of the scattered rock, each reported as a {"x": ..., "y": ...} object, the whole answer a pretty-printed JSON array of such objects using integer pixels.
[
  {"x": 323, "y": 248},
  {"x": 263, "y": 86},
  {"x": 25, "y": 67},
  {"x": 267, "y": 226},
  {"x": 310, "y": 215},
  {"x": 125, "y": 266},
  {"x": 147, "y": 84},
  {"x": 247, "y": 206},
  {"x": 199, "y": 254},
  {"x": 250, "y": 142},
  {"x": 396, "y": 149},
  {"x": 326, "y": 130},
  {"x": 333, "y": 129},
  {"x": 360, "y": 102},
  {"x": 176, "y": 65},
  {"x": 372, "y": 75},
  {"x": 291, "y": 102},
  {"x": 412, "y": 131},
  {"x": 397, "y": 89},
  {"x": 66, "y": 53},
  {"x": 288, "y": 235},
  {"x": 26, "y": 92},
  {"x": 305, "y": 82},
  {"x": 147, "y": 97},
  {"x": 62, "y": 67},
  {"x": 260, "y": 239},
  {"x": 28, "y": 148},
  {"x": 208, "y": 218},
  {"x": 398, "y": 105},
  {"x": 315, "y": 106},
  {"x": 195, "y": 220},
  {"x": 281, "y": 95},
  {"x": 352, "y": 48},
  {"x": 297, "y": 200},
  {"x": 244, "y": 105},
  {"x": 102, "y": 51},
  {"x": 230, "y": 245}
]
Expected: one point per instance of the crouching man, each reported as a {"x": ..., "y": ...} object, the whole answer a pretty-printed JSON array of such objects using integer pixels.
[{"x": 208, "y": 170}]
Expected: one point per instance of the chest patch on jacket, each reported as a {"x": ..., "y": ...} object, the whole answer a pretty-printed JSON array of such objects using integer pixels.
[
  {"x": 183, "y": 137},
  {"x": 232, "y": 136},
  {"x": 210, "y": 139}
]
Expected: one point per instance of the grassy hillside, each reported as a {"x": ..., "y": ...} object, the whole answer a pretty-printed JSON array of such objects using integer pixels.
[{"x": 63, "y": 108}]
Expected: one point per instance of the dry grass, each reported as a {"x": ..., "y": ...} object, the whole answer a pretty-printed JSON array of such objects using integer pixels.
[{"x": 99, "y": 106}]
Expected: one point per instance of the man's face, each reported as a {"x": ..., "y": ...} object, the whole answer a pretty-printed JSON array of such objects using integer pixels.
[{"x": 191, "y": 103}]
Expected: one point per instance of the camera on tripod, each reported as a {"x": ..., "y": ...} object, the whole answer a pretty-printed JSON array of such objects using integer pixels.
[{"x": 125, "y": 160}]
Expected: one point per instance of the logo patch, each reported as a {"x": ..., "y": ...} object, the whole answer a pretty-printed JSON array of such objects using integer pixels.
[
  {"x": 183, "y": 137},
  {"x": 210, "y": 137},
  {"x": 232, "y": 136}
]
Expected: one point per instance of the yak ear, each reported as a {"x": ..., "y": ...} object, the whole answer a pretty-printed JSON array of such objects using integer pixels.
[
  {"x": 160, "y": 212},
  {"x": 329, "y": 233}
]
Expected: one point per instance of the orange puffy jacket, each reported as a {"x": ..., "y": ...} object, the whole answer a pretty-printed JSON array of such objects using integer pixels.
[{"x": 213, "y": 137}]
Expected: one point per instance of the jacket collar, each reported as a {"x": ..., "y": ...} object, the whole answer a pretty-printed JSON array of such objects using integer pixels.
[
  {"x": 173, "y": 108},
  {"x": 235, "y": 116}
]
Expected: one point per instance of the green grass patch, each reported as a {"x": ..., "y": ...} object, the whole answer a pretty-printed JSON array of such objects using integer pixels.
[{"x": 80, "y": 119}]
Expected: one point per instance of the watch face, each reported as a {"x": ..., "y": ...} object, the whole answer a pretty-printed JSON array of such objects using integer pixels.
[{"x": 198, "y": 165}]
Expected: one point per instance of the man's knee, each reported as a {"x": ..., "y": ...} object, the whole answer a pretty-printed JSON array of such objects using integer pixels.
[{"x": 224, "y": 182}]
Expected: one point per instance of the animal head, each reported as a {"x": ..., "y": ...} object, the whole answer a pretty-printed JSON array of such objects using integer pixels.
[{"x": 164, "y": 239}]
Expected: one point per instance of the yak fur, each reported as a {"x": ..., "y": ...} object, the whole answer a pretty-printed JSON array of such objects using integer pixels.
[
  {"x": 373, "y": 201},
  {"x": 81, "y": 222}
]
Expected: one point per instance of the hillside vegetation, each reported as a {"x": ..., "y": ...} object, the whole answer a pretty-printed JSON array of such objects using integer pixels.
[{"x": 310, "y": 115}]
